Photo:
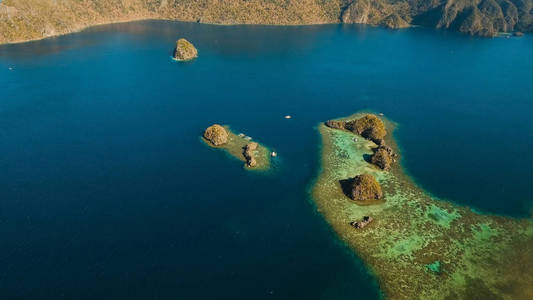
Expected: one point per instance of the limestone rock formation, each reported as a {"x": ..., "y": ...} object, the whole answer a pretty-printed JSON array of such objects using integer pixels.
[
  {"x": 394, "y": 21},
  {"x": 370, "y": 127},
  {"x": 365, "y": 187},
  {"x": 377, "y": 12},
  {"x": 216, "y": 134},
  {"x": 249, "y": 154},
  {"x": 383, "y": 157},
  {"x": 335, "y": 124},
  {"x": 482, "y": 17},
  {"x": 185, "y": 50}
]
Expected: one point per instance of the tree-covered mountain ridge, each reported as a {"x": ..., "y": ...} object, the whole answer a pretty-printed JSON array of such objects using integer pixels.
[{"x": 23, "y": 20}]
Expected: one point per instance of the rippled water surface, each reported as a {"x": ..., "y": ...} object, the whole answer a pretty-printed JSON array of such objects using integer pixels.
[{"x": 107, "y": 191}]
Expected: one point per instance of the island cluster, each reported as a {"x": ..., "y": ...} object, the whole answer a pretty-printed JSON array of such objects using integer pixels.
[
  {"x": 240, "y": 146},
  {"x": 364, "y": 187},
  {"x": 418, "y": 246}
]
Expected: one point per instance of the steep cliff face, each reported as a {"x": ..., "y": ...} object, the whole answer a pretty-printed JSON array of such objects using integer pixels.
[
  {"x": 476, "y": 17},
  {"x": 393, "y": 14},
  {"x": 365, "y": 187},
  {"x": 216, "y": 135},
  {"x": 22, "y": 20},
  {"x": 479, "y": 17},
  {"x": 185, "y": 50}
]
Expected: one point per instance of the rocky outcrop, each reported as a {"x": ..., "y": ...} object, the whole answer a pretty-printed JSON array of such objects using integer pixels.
[
  {"x": 383, "y": 157},
  {"x": 335, "y": 124},
  {"x": 394, "y": 21},
  {"x": 370, "y": 127},
  {"x": 485, "y": 17},
  {"x": 363, "y": 223},
  {"x": 216, "y": 135},
  {"x": 249, "y": 154},
  {"x": 185, "y": 50},
  {"x": 377, "y": 12},
  {"x": 365, "y": 187}
]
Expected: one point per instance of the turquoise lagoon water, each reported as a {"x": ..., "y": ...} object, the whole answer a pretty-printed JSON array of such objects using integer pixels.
[{"x": 108, "y": 193}]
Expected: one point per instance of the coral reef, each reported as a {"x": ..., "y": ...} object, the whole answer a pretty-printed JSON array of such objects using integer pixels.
[{"x": 419, "y": 246}]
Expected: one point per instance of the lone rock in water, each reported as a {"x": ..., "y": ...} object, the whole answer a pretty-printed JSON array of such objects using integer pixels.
[{"x": 185, "y": 50}]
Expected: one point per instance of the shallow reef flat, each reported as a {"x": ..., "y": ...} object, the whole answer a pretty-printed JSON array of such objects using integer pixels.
[
  {"x": 235, "y": 147},
  {"x": 418, "y": 246}
]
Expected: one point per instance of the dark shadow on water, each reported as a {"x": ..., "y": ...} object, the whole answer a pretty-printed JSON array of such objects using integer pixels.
[{"x": 53, "y": 45}]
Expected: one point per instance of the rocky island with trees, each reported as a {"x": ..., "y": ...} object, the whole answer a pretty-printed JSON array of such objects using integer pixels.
[
  {"x": 254, "y": 155},
  {"x": 185, "y": 50},
  {"x": 370, "y": 127},
  {"x": 409, "y": 238}
]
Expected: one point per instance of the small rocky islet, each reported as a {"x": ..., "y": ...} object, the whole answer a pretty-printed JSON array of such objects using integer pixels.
[
  {"x": 184, "y": 50},
  {"x": 418, "y": 246},
  {"x": 254, "y": 155}
]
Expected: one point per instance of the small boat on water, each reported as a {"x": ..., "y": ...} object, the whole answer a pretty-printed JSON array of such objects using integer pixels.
[
  {"x": 361, "y": 224},
  {"x": 248, "y": 138},
  {"x": 273, "y": 154},
  {"x": 241, "y": 135},
  {"x": 288, "y": 117}
]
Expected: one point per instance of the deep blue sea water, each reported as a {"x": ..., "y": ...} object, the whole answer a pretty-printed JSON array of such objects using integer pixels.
[{"x": 107, "y": 191}]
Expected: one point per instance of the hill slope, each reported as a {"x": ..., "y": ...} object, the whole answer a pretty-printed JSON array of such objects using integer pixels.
[{"x": 22, "y": 20}]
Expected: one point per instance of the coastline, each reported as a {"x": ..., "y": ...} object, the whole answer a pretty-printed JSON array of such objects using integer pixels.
[
  {"x": 476, "y": 254},
  {"x": 28, "y": 20},
  {"x": 81, "y": 28},
  {"x": 128, "y": 20}
]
